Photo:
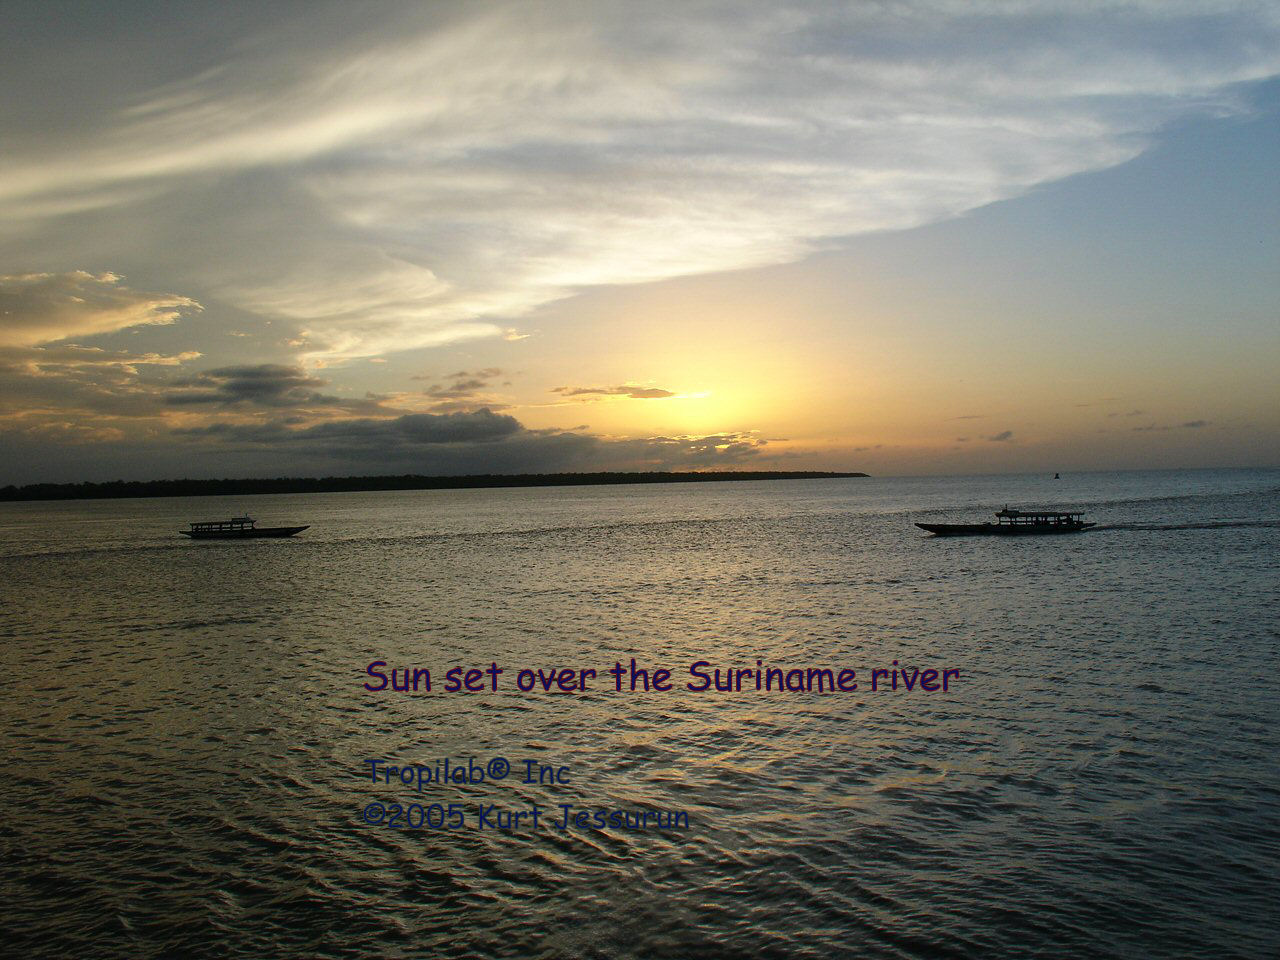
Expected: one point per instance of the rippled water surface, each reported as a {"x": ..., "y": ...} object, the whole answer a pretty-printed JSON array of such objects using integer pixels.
[{"x": 186, "y": 730}]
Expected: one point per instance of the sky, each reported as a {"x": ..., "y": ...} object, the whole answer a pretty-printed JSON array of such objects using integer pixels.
[{"x": 913, "y": 237}]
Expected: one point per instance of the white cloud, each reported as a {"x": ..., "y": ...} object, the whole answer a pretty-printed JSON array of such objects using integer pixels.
[
  {"x": 38, "y": 308},
  {"x": 453, "y": 168}
]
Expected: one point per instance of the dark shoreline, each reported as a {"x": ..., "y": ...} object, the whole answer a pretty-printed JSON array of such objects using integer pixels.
[{"x": 121, "y": 489}]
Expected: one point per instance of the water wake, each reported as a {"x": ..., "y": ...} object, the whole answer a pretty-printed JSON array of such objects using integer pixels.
[{"x": 1201, "y": 525}]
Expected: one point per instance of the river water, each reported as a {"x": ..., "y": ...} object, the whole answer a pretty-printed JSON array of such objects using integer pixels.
[{"x": 188, "y": 732}]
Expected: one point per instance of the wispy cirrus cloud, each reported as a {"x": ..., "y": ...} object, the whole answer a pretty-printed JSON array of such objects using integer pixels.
[
  {"x": 427, "y": 175},
  {"x": 629, "y": 391}
]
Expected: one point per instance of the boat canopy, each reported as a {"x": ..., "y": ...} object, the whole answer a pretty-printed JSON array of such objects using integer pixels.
[
  {"x": 1052, "y": 516},
  {"x": 235, "y": 523}
]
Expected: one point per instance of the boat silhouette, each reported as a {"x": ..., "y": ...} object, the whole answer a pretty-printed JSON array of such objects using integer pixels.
[
  {"x": 237, "y": 528},
  {"x": 1013, "y": 523}
]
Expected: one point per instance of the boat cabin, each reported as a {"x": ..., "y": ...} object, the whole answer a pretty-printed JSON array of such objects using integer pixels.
[
  {"x": 1019, "y": 518},
  {"x": 234, "y": 525}
]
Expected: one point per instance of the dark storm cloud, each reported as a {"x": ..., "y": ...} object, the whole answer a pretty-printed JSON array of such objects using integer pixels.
[
  {"x": 478, "y": 426},
  {"x": 464, "y": 384},
  {"x": 468, "y": 390},
  {"x": 63, "y": 382},
  {"x": 266, "y": 384},
  {"x": 457, "y": 389},
  {"x": 480, "y": 441},
  {"x": 411, "y": 429}
]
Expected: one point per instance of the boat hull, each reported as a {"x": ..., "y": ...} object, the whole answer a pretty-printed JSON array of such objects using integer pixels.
[
  {"x": 248, "y": 534},
  {"x": 1001, "y": 529}
]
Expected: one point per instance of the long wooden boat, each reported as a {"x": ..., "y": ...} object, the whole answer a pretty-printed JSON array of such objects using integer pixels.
[
  {"x": 1013, "y": 523},
  {"x": 237, "y": 528}
]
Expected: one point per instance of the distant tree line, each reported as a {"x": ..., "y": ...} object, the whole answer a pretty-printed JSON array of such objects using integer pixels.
[{"x": 253, "y": 485}]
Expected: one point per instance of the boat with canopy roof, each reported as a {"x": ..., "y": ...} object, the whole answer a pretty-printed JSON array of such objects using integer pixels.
[
  {"x": 237, "y": 528},
  {"x": 1013, "y": 523}
]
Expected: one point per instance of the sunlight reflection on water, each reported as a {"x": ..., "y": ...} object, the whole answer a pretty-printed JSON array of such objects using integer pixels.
[{"x": 189, "y": 732}]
